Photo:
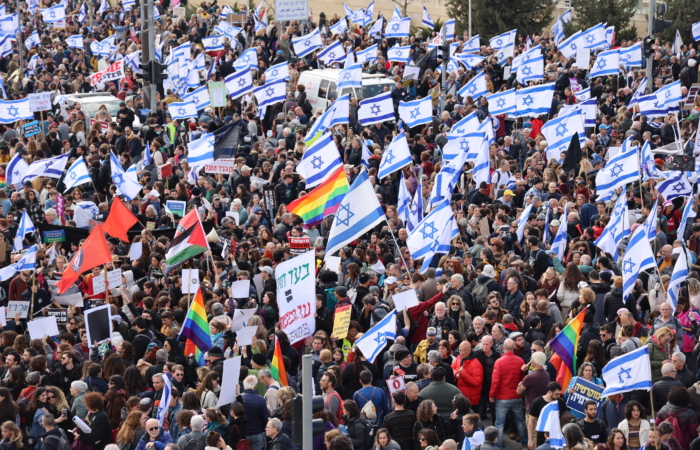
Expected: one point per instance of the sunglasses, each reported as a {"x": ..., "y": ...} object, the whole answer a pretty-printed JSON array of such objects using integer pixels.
[
  {"x": 50, "y": 397},
  {"x": 153, "y": 428}
]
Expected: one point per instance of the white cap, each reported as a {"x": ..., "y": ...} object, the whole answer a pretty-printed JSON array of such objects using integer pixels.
[{"x": 154, "y": 193}]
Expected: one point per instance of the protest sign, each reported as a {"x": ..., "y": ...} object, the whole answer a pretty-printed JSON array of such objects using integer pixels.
[
  {"x": 17, "y": 307},
  {"x": 583, "y": 391},
  {"x": 342, "y": 322},
  {"x": 176, "y": 207},
  {"x": 98, "y": 284},
  {"x": 61, "y": 315},
  {"x": 407, "y": 299},
  {"x": 190, "y": 281},
  {"x": 224, "y": 166},
  {"x": 217, "y": 94},
  {"x": 114, "y": 278},
  {"x": 40, "y": 102},
  {"x": 51, "y": 236},
  {"x": 31, "y": 128},
  {"x": 98, "y": 324},
  {"x": 295, "y": 280}
]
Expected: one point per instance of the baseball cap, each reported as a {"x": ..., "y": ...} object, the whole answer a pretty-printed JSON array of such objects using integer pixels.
[
  {"x": 390, "y": 280},
  {"x": 431, "y": 331},
  {"x": 509, "y": 192}
]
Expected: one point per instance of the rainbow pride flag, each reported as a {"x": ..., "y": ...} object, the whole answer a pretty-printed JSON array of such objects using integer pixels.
[
  {"x": 196, "y": 329},
  {"x": 277, "y": 366},
  {"x": 564, "y": 345},
  {"x": 322, "y": 201}
]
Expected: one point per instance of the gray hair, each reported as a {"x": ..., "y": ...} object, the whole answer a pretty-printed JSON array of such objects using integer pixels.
[
  {"x": 457, "y": 277},
  {"x": 162, "y": 355},
  {"x": 197, "y": 423},
  {"x": 434, "y": 356},
  {"x": 680, "y": 356},
  {"x": 111, "y": 447},
  {"x": 50, "y": 211},
  {"x": 264, "y": 373},
  {"x": 35, "y": 377},
  {"x": 490, "y": 434},
  {"x": 500, "y": 327},
  {"x": 158, "y": 375},
  {"x": 667, "y": 368},
  {"x": 152, "y": 209},
  {"x": 78, "y": 385},
  {"x": 250, "y": 382},
  {"x": 48, "y": 419},
  {"x": 480, "y": 319},
  {"x": 274, "y": 422}
]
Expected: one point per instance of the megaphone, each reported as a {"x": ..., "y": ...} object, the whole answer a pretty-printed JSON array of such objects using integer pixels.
[{"x": 213, "y": 236}]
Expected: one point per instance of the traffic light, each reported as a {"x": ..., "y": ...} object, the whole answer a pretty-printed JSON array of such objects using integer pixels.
[
  {"x": 146, "y": 73},
  {"x": 647, "y": 45},
  {"x": 158, "y": 72},
  {"x": 446, "y": 52},
  {"x": 297, "y": 418},
  {"x": 660, "y": 25}
]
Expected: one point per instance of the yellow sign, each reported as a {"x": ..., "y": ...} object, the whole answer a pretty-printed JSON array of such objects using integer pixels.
[{"x": 342, "y": 322}]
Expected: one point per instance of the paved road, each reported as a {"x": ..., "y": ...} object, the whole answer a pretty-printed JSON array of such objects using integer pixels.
[{"x": 509, "y": 444}]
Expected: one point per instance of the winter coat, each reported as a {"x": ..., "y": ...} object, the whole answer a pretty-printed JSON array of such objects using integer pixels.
[
  {"x": 657, "y": 356},
  {"x": 644, "y": 429},
  {"x": 506, "y": 377},
  {"x": 687, "y": 422},
  {"x": 356, "y": 431},
  {"x": 469, "y": 375},
  {"x": 437, "y": 425},
  {"x": 612, "y": 303},
  {"x": 115, "y": 402},
  {"x": 566, "y": 297}
]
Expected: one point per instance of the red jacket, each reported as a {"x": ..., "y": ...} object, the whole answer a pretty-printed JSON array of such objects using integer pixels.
[
  {"x": 506, "y": 377},
  {"x": 416, "y": 314},
  {"x": 471, "y": 377}
]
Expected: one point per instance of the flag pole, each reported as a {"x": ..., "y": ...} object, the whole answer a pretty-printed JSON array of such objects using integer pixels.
[
  {"x": 653, "y": 422},
  {"x": 397, "y": 243}
]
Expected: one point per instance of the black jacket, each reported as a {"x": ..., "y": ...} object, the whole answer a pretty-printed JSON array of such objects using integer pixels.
[
  {"x": 661, "y": 389},
  {"x": 281, "y": 442},
  {"x": 600, "y": 290}
]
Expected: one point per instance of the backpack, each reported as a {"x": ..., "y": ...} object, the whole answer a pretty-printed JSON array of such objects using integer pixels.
[
  {"x": 73, "y": 140},
  {"x": 369, "y": 411},
  {"x": 194, "y": 444},
  {"x": 307, "y": 108},
  {"x": 242, "y": 444},
  {"x": 62, "y": 442},
  {"x": 341, "y": 402},
  {"x": 331, "y": 301},
  {"x": 369, "y": 432},
  {"x": 480, "y": 292}
]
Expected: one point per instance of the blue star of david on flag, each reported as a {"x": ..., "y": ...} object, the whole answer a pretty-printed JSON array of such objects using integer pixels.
[
  {"x": 241, "y": 82},
  {"x": 73, "y": 176},
  {"x": 181, "y": 111},
  {"x": 339, "y": 220},
  {"x": 381, "y": 337},
  {"x": 215, "y": 41},
  {"x": 616, "y": 169},
  {"x": 331, "y": 55},
  {"x": 428, "y": 231},
  {"x": 472, "y": 89},
  {"x": 464, "y": 145},
  {"x": 375, "y": 109},
  {"x": 52, "y": 14},
  {"x": 589, "y": 38},
  {"x": 118, "y": 179},
  {"x": 395, "y": 27},
  {"x": 12, "y": 111},
  {"x": 246, "y": 58},
  {"x": 389, "y": 157},
  {"x": 317, "y": 162},
  {"x": 561, "y": 129},
  {"x": 528, "y": 100},
  {"x": 526, "y": 70},
  {"x": 574, "y": 47},
  {"x": 274, "y": 73},
  {"x": 679, "y": 187},
  {"x": 399, "y": 53},
  {"x": 499, "y": 41},
  {"x": 307, "y": 42},
  {"x": 414, "y": 113},
  {"x": 624, "y": 371},
  {"x": 501, "y": 102},
  {"x": 269, "y": 92},
  {"x": 347, "y": 75},
  {"x": 601, "y": 63},
  {"x": 628, "y": 266}
]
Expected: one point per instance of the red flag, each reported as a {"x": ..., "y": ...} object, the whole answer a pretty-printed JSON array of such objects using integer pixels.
[
  {"x": 119, "y": 221},
  {"x": 93, "y": 253}
]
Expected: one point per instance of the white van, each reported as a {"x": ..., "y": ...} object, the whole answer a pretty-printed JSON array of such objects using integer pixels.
[{"x": 321, "y": 87}]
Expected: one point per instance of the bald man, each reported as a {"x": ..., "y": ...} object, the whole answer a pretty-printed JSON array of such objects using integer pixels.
[
  {"x": 449, "y": 444},
  {"x": 469, "y": 373}
]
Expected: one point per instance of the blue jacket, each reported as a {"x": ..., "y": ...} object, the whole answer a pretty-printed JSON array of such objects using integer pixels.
[
  {"x": 378, "y": 398},
  {"x": 256, "y": 410},
  {"x": 37, "y": 428},
  {"x": 612, "y": 413},
  {"x": 163, "y": 439}
]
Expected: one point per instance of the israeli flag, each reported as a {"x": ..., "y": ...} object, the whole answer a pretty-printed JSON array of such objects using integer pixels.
[
  {"x": 54, "y": 14},
  {"x": 415, "y": 211},
  {"x": 334, "y": 53},
  {"x": 182, "y": 110},
  {"x": 675, "y": 185},
  {"x": 358, "y": 16},
  {"x": 525, "y": 57},
  {"x": 358, "y": 212},
  {"x": 469, "y": 60},
  {"x": 77, "y": 174},
  {"x": 607, "y": 63},
  {"x": 3, "y": 10},
  {"x": 571, "y": 45},
  {"x": 201, "y": 151},
  {"x": 652, "y": 222},
  {"x": 147, "y": 157},
  {"x": 199, "y": 96},
  {"x": 696, "y": 31},
  {"x": 377, "y": 28},
  {"x": 447, "y": 179},
  {"x": 677, "y": 42},
  {"x": 304, "y": 45},
  {"x": 594, "y": 38},
  {"x": 28, "y": 260},
  {"x": 271, "y": 93},
  {"x": 670, "y": 96},
  {"x": 647, "y": 163},
  {"x": 338, "y": 113},
  {"x": 319, "y": 161},
  {"x": 399, "y": 54},
  {"x": 25, "y": 227},
  {"x": 239, "y": 83},
  {"x": 680, "y": 274},
  {"x": 487, "y": 128},
  {"x": 193, "y": 176},
  {"x": 650, "y": 106},
  {"x": 404, "y": 201},
  {"x": 50, "y": 168},
  {"x": 427, "y": 20},
  {"x": 12, "y": 111},
  {"x": 2, "y": 89},
  {"x": 32, "y": 40},
  {"x": 558, "y": 32},
  {"x": 464, "y": 126},
  {"x": 199, "y": 63},
  {"x": 227, "y": 29},
  {"x": 156, "y": 13},
  {"x": 505, "y": 53},
  {"x": 396, "y": 156},
  {"x": 397, "y": 14},
  {"x": 583, "y": 95},
  {"x": 532, "y": 69},
  {"x": 165, "y": 399},
  {"x": 340, "y": 27},
  {"x": 450, "y": 29},
  {"x": 126, "y": 4},
  {"x": 377, "y": 109},
  {"x": 278, "y": 72},
  {"x": 373, "y": 342},
  {"x": 366, "y": 154},
  {"x": 468, "y": 144},
  {"x": 472, "y": 45},
  {"x": 416, "y": 112},
  {"x": 631, "y": 56},
  {"x": 560, "y": 240},
  {"x": 481, "y": 164},
  {"x": 638, "y": 257},
  {"x": 588, "y": 108},
  {"x": 688, "y": 213},
  {"x": 213, "y": 43},
  {"x": 75, "y": 41},
  {"x": 502, "y": 102},
  {"x": 226, "y": 10},
  {"x": 367, "y": 55},
  {"x": 619, "y": 171},
  {"x": 559, "y": 131},
  {"x": 248, "y": 58},
  {"x": 522, "y": 221},
  {"x": 618, "y": 227},
  {"x": 500, "y": 41},
  {"x": 399, "y": 28},
  {"x": 423, "y": 241},
  {"x": 83, "y": 12},
  {"x": 369, "y": 12},
  {"x": 8, "y": 24},
  {"x": 16, "y": 170},
  {"x": 548, "y": 421},
  {"x": 629, "y": 372},
  {"x": 534, "y": 101},
  {"x": 639, "y": 93}
]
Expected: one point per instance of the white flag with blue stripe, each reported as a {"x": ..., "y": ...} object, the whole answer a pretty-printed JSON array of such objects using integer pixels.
[
  {"x": 415, "y": 214},
  {"x": 339, "y": 27},
  {"x": 476, "y": 87},
  {"x": 504, "y": 53},
  {"x": 548, "y": 422},
  {"x": 25, "y": 227},
  {"x": 532, "y": 69},
  {"x": 398, "y": 28},
  {"x": 472, "y": 45},
  {"x": 304, "y": 45},
  {"x": 377, "y": 28},
  {"x": 680, "y": 274},
  {"x": 319, "y": 161},
  {"x": 534, "y": 101},
  {"x": 248, "y": 58},
  {"x": 464, "y": 126},
  {"x": 523, "y": 220},
  {"x": 629, "y": 372},
  {"x": 28, "y": 260},
  {"x": 373, "y": 341},
  {"x": 469, "y": 60},
  {"x": 525, "y": 57},
  {"x": 358, "y": 212},
  {"x": 83, "y": 12},
  {"x": 594, "y": 38},
  {"x": 3, "y": 92},
  {"x": 500, "y": 41},
  {"x": 357, "y": 16},
  {"x": 166, "y": 395},
  {"x": 54, "y": 14},
  {"x": 618, "y": 227},
  {"x": 450, "y": 29},
  {"x": 77, "y": 174},
  {"x": 619, "y": 171},
  {"x": 677, "y": 42},
  {"x": 200, "y": 152},
  {"x": 338, "y": 113},
  {"x": 199, "y": 96},
  {"x": 688, "y": 213},
  {"x": 423, "y": 241},
  {"x": 427, "y": 20},
  {"x": 675, "y": 185},
  {"x": 377, "y": 109},
  {"x": 631, "y": 56},
  {"x": 696, "y": 31},
  {"x": 278, "y": 72},
  {"x": 638, "y": 257},
  {"x": 396, "y": 15},
  {"x": 559, "y": 131},
  {"x": 213, "y": 43},
  {"x": 416, "y": 112},
  {"x": 571, "y": 45},
  {"x": 399, "y": 54},
  {"x": 32, "y": 40},
  {"x": 16, "y": 170},
  {"x": 560, "y": 240},
  {"x": 271, "y": 93},
  {"x": 502, "y": 102},
  {"x": 404, "y": 201},
  {"x": 369, "y": 13},
  {"x": 51, "y": 168},
  {"x": 334, "y": 53},
  {"x": 182, "y": 110},
  {"x": 447, "y": 179},
  {"x": 482, "y": 172},
  {"x": 367, "y": 55},
  {"x": 125, "y": 185},
  {"x": 650, "y": 106},
  {"x": 607, "y": 63},
  {"x": 12, "y": 111},
  {"x": 396, "y": 156},
  {"x": 239, "y": 83},
  {"x": 670, "y": 96},
  {"x": 647, "y": 163},
  {"x": 126, "y": 4},
  {"x": 147, "y": 155}
]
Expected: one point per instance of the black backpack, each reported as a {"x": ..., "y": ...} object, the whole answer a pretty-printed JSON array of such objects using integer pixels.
[{"x": 194, "y": 444}]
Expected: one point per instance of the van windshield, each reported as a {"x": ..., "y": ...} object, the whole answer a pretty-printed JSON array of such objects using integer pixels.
[{"x": 375, "y": 89}]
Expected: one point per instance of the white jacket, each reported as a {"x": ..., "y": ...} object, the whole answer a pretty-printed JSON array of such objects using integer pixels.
[
  {"x": 644, "y": 429},
  {"x": 566, "y": 297}
]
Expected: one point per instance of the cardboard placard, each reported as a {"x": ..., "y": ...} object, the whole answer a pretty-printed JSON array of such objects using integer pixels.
[
  {"x": 583, "y": 391},
  {"x": 98, "y": 284},
  {"x": 165, "y": 171},
  {"x": 135, "y": 251},
  {"x": 232, "y": 372},
  {"x": 98, "y": 324},
  {"x": 218, "y": 94},
  {"x": 31, "y": 128},
  {"x": 240, "y": 289},
  {"x": 61, "y": 315},
  {"x": 245, "y": 335},
  {"x": 51, "y": 236},
  {"x": 190, "y": 281},
  {"x": 15, "y": 307},
  {"x": 40, "y": 102},
  {"x": 75, "y": 299},
  {"x": 342, "y": 321},
  {"x": 407, "y": 299},
  {"x": 224, "y": 166},
  {"x": 176, "y": 207},
  {"x": 46, "y": 326},
  {"x": 114, "y": 278}
]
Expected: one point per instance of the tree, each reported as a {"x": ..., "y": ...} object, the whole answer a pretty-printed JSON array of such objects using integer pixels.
[
  {"x": 683, "y": 13},
  {"x": 617, "y": 13},
  {"x": 493, "y": 17}
]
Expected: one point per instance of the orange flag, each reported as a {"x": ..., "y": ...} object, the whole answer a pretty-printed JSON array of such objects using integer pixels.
[
  {"x": 119, "y": 221},
  {"x": 93, "y": 253}
]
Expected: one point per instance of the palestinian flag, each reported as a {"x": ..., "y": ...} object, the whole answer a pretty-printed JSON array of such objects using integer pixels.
[{"x": 189, "y": 241}]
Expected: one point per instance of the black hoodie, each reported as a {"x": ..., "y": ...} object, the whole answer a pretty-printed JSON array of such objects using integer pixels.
[{"x": 600, "y": 290}]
